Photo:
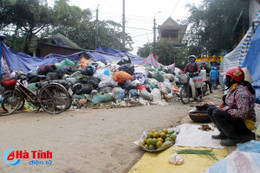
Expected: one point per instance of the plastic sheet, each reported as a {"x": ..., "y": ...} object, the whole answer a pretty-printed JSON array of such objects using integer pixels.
[{"x": 251, "y": 146}]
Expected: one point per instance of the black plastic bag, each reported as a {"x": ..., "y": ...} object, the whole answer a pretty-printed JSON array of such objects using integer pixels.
[
  {"x": 129, "y": 68},
  {"x": 124, "y": 60},
  {"x": 88, "y": 70}
]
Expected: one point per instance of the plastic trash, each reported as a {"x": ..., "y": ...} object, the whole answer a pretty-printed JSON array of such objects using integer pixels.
[
  {"x": 101, "y": 98},
  {"x": 176, "y": 159},
  {"x": 118, "y": 93}
]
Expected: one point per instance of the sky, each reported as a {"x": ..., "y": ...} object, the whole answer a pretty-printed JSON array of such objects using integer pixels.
[{"x": 139, "y": 14}]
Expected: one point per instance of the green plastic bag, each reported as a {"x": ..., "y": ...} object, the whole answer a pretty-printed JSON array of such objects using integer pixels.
[
  {"x": 67, "y": 62},
  {"x": 101, "y": 98},
  {"x": 32, "y": 86},
  {"x": 158, "y": 76}
]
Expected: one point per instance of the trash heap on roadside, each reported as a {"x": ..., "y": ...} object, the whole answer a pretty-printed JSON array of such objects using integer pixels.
[{"x": 100, "y": 84}]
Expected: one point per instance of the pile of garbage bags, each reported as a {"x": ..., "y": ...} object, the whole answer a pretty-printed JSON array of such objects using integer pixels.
[{"x": 95, "y": 83}]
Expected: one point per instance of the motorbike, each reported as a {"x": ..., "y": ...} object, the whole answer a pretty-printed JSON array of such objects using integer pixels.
[{"x": 188, "y": 89}]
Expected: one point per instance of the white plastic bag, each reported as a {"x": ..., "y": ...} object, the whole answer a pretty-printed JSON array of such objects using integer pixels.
[{"x": 176, "y": 159}]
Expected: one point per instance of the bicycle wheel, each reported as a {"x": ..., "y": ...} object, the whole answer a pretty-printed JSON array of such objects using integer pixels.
[
  {"x": 185, "y": 94},
  {"x": 54, "y": 98},
  {"x": 12, "y": 101}
]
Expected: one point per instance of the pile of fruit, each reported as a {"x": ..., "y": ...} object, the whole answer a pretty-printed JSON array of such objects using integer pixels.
[{"x": 155, "y": 139}]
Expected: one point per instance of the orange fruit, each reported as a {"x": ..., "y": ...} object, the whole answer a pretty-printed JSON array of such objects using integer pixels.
[
  {"x": 160, "y": 139},
  {"x": 163, "y": 135},
  {"x": 158, "y": 144},
  {"x": 156, "y": 134},
  {"x": 165, "y": 131},
  {"x": 149, "y": 134}
]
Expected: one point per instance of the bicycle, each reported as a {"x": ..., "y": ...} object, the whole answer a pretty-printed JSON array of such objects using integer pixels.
[{"x": 53, "y": 98}]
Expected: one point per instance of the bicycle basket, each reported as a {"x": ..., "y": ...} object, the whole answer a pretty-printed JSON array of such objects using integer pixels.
[
  {"x": 8, "y": 83},
  {"x": 183, "y": 79}
]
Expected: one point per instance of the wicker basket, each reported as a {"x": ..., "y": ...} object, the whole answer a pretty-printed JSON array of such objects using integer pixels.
[{"x": 199, "y": 116}]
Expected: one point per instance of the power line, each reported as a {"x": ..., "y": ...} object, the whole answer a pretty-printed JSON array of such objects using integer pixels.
[
  {"x": 139, "y": 28},
  {"x": 175, "y": 7}
]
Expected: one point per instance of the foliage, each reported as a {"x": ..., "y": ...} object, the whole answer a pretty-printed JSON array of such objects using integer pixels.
[
  {"x": 166, "y": 53},
  {"x": 213, "y": 26},
  {"x": 27, "y": 17}
]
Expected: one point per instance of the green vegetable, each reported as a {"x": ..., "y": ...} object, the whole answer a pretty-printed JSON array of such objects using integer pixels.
[
  {"x": 198, "y": 152},
  {"x": 171, "y": 132}
]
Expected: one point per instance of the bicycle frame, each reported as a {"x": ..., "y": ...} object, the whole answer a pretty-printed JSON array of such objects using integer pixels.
[{"x": 24, "y": 90}]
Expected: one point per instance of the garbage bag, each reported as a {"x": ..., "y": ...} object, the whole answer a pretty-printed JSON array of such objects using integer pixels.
[
  {"x": 106, "y": 89},
  {"x": 50, "y": 68},
  {"x": 65, "y": 70},
  {"x": 169, "y": 76},
  {"x": 83, "y": 90},
  {"x": 75, "y": 87},
  {"x": 33, "y": 79},
  {"x": 146, "y": 95},
  {"x": 32, "y": 86},
  {"x": 67, "y": 62},
  {"x": 156, "y": 95},
  {"x": 158, "y": 76},
  {"x": 101, "y": 98},
  {"x": 124, "y": 60},
  {"x": 94, "y": 82},
  {"x": 52, "y": 76},
  {"x": 129, "y": 68},
  {"x": 40, "y": 70},
  {"x": 129, "y": 85},
  {"x": 118, "y": 93},
  {"x": 102, "y": 73},
  {"x": 164, "y": 88},
  {"x": 140, "y": 77},
  {"x": 133, "y": 93},
  {"x": 89, "y": 70},
  {"x": 141, "y": 70},
  {"x": 83, "y": 62},
  {"x": 122, "y": 76},
  {"x": 107, "y": 82}
]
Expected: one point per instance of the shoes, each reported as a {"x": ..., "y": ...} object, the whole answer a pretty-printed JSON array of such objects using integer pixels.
[
  {"x": 219, "y": 136},
  {"x": 211, "y": 91},
  {"x": 230, "y": 142}
]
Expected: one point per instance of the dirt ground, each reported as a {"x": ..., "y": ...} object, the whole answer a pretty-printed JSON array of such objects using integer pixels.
[{"x": 87, "y": 140}]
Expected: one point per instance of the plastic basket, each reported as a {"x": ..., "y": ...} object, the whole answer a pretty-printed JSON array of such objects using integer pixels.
[
  {"x": 8, "y": 83},
  {"x": 198, "y": 81}
]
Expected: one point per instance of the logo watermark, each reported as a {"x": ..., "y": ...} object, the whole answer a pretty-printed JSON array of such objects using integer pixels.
[{"x": 13, "y": 157}]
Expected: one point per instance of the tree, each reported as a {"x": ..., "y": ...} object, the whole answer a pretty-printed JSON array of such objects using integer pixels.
[
  {"x": 213, "y": 25},
  {"x": 27, "y": 17}
]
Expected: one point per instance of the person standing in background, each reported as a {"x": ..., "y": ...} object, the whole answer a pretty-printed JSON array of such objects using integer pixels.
[
  {"x": 204, "y": 67},
  {"x": 213, "y": 78}
]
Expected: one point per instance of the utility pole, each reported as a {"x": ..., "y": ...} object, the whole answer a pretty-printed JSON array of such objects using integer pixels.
[
  {"x": 154, "y": 38},
  {"x": 154, "y": 35},
  {"x": 96, "y": 29},
  {"x": 123, "y": 39}
]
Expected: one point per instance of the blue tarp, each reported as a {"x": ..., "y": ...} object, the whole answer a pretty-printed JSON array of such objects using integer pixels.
[
  {"x": 117, "y": 52},
  {"x": 18, "y": 60},
  {"x": 21, "y": 61},
  {"x": 252, "y": 62}
]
